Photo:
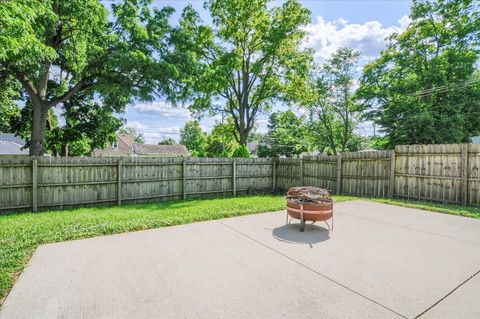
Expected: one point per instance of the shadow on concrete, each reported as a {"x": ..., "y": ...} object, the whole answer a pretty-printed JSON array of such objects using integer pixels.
[{"x": 290, "y": 233}]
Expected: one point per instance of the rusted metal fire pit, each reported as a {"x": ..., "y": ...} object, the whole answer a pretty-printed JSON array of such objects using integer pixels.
[{"x": 309, "y": 204}]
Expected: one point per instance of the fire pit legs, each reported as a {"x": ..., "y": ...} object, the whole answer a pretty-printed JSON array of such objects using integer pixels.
[
  {"x": 302, "y": 226},
  {"x": 309, "y": 204},
  {"x": 302, "y": 220}
]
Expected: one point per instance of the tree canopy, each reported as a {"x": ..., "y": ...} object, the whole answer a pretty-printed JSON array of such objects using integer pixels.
[
  {"x": 57, "y": 50},
  {"x": 68, "y": 68},
  {"x": 194, "y": 139},
  {"x": 249, "y": 59},
  {"x": 330, "y": 101},
  {"x": 424, "y": 88},
  {"x": 168, "y": 141},
  {"x": 286, "y": 136},
  {"x": 87, "y": 126},
  {"x": 222, "y": 141}
]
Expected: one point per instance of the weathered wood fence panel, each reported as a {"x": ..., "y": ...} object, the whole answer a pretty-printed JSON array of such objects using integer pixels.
[
  {"x": 442, "y": 173},
  {"x": 254, "y": 174},
  {"x": 288, "y": 173},
  {"x": 473, "y": 185},
  {"x": 366, "y": 173},
  {"x": 69, "y": 181},
  {"x": 429, "y": 172},
  {"x": 16, "y": 179},
  {"x": 30, "y": 183},
  {"x": 321, "y": 171},
  {"x": 150, "y": 178}
]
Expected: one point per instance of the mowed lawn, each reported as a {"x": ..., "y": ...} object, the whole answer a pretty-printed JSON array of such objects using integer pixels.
[{"x": 22, "y": 233}]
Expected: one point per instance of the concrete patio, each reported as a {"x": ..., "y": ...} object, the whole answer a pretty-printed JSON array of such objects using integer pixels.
[{"x": 381, "y": 261}]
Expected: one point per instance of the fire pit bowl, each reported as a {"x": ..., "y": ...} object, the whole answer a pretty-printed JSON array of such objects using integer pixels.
[{"x": 309, "y": 204}]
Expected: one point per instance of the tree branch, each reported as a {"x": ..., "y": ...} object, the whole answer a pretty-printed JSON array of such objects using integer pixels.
[
  {"x": 81, "y": 85},
  {"x": 27, "y": 85}
]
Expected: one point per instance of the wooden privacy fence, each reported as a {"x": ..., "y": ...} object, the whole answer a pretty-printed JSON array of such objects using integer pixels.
[
  {"x": 32, "y": 183},
  {"x": 360, "y": 173},
  {"x": 443, "y": 173}
]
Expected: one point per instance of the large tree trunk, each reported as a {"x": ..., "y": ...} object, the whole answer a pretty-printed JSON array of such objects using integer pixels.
[
  {"x": 243, "y": 137},
  {"x": 39, "y": 123}
]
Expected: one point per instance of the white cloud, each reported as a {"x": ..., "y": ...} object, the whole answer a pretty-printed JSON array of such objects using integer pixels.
[
  {"x": 156, "y": 131},
  {"x": 262, "y": 126},
  {"x": 368, "y": 38},
  {"x": 136, "y": 125},
  {"x": 163, "y": 109},
  {"x": 154, "y": 134}
]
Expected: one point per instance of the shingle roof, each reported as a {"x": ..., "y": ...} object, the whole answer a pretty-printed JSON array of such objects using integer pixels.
[
  {"x": 11, "y": 144},
  {"x": 127, "y": 139},
  {"x": 9, "y": 137},
  {"x": 179, "y": 150}
]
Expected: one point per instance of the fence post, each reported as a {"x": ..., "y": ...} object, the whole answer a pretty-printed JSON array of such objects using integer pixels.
[
  {"x": 119, "y": 182},
  {"x": 391, "y": 189},
  {"x": 184, "y": 179},
  {"x": 464, "y": 174},
  {"x": 234, "y": 177},
  {"x": 34, "y": 185},
  {"x": 301, "y": 172},
  {"x": 339, "y": 174},
  {"x": 274, "y": 174}
]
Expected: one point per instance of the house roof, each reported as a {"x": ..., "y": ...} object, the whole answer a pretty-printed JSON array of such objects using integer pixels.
[
  {"x": 11, "y": 144},
  {"x": 143, "y": 149},
  {"x": 110, "y": 152},
  {"x": 127, "y": 139},
  {"x": 475, "y": 139},
  {"x": 9, "y": 137}
]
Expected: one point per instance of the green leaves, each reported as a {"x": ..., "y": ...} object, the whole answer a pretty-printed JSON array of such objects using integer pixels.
[
  {"x": 194, "y": 139},
  {"x": 423, "y": 89},
  {"x": 248, "y": 60},
  {"x": 329, "y": 100},
  {"x": 60, "y": 50},
  {"x": 287, "y": 135}
]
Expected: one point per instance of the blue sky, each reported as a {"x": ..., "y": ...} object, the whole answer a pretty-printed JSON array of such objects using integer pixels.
[{"x": 362, "y": 25}]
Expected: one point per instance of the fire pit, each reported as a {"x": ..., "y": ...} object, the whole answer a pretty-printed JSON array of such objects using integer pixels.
[{"x": 309, "y": 204}]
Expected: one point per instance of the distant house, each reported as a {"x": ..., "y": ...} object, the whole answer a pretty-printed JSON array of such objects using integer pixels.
[
  {"x": 252, "y": 149},
  {"x": 11, "y": 145},
  {"x": 475, "y": 140},
  {"x": 125, "y": 146},
  {"x": 309, "y": 154}
]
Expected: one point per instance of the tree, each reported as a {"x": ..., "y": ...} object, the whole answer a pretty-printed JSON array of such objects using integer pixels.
[
  {"x": 423, "y": 89},
  {"x": 194, "y": 139},
  {"x": 222, "y": 141},
  {"x": 57, "y": 50},
  {"x": 286, "y": 136},
  {"x": 251, "y": 58},
  {"x": 87, "y": 126},
  {"x": 241, "y": 151},
  {"x": 137, "y": 137},
  {"x": 168, "y": 141},
  {"x": 331, "y": 100},
  {"x": 9, "y": 92}
]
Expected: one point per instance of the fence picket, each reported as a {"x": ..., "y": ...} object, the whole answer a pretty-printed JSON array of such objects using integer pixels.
[{"x": 442, "y": 173}]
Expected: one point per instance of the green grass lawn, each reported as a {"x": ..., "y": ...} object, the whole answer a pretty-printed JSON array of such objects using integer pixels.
[
  {"x": 22, "y": 233},
  {"x": 451, "y": 209}
]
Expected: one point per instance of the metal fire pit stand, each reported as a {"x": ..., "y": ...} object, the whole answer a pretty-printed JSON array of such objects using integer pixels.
[{"x": 302, "y": 220}]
